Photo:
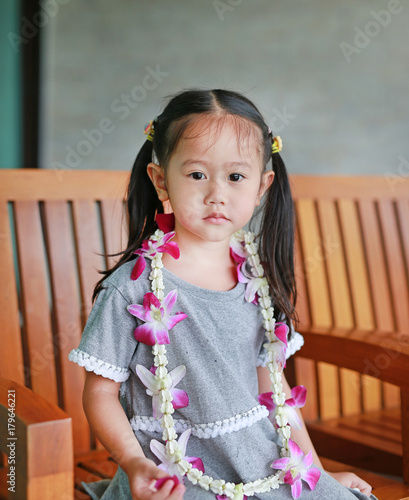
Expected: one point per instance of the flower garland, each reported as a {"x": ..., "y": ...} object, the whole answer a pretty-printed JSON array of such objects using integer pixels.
[{"x": 155, "y": 313}]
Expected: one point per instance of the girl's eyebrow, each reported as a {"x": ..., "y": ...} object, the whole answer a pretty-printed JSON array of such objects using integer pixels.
[
  {"x": 241, "y": 164},
  {"x": 192, "y": 161}
]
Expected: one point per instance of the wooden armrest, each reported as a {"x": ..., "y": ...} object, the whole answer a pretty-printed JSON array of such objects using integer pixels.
[
  {"x": 37, "y": 439},
  {"x": 384, "y": 355}
]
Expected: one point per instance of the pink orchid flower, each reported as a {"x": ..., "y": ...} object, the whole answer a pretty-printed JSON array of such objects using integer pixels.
[
  {"x": 237, "y": 250},
  {"x": 281, "y": 331},
  {"x": 149, "y": 250},
  {"x": 163, "y": 480},
  {"x": 154, "y": 386},
  {"x": 288, "y": 412},
  {"x": 297, "y": 467},
  {"x": 156, "y": 315},
  {"x": 159, "y": 450}
]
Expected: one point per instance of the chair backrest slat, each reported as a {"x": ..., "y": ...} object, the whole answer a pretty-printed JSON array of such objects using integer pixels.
[
  {"x": 37, "y": 327},
  {"x": 89, "y": 249},
  {"x": 382, "y": 304},
  {"x": 355, "y": 257},
  {"x": 333, "y": 258},
  {"x": 391, "y": 396},
  {"x": 402, "y": 207},
  {"x": 67, "y": 313},
  {"x": 314, "y": 270},
  {"x": 396, "y": 264},
  {"x": 12, "y": 362}
]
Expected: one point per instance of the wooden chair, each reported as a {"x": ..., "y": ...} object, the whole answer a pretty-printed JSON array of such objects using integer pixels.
[
  {"x": 54, "y": 228},
  {"x": 352, "y": 273}
]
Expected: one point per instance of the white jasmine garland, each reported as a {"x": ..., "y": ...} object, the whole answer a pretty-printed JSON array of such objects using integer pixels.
[{"x": 244, "y": 244}]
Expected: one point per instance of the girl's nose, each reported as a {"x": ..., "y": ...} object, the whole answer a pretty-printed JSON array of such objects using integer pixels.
[{"x": 215, "y": 194}]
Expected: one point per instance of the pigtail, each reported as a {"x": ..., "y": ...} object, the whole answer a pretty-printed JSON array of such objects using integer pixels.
[
  {"x": 143, "y": 204},
  {"x": 143, "y": 201},
  {"x": 277, "y": 242}
]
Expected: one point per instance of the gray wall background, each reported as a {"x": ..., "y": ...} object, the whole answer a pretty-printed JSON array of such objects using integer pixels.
[{"x": 330, "y": 77}]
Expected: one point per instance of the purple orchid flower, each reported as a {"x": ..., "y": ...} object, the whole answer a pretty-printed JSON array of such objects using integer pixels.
[
  {"x": 149, "y": 250},
  {"x": 159, "y": 450},
  {"x": 297, "y": 467},
  {"x": 156, "y": 315},
  {"x": 288, "y": 412},
  {"x": 278, "y": 351},
  {"x": 253, "y": 283},
  {"x": 154, "y": 386}
]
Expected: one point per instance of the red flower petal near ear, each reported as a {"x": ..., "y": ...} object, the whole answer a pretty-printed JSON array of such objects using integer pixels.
[{"x": 165, "y": 222}]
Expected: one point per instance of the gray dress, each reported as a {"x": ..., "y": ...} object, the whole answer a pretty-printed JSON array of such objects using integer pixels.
[{"x": 220, "y": 343}]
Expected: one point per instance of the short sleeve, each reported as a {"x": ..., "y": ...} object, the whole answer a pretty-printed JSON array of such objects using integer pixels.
[
  {"x": 294, "y": 344},
  {"x": 108, "y": 343}
]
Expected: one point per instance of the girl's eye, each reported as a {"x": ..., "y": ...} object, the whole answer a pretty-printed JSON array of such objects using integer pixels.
[
  {"x": 197, "y": 176},
  {"x": 235, "y": 177}
]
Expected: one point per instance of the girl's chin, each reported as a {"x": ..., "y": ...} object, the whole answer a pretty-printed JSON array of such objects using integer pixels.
[{"x": 216, "y": 221}]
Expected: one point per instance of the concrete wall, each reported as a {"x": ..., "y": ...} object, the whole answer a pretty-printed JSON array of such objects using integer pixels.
[{"x": 330, "y": 77}]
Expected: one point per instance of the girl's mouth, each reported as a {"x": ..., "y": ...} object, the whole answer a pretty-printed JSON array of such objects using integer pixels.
[{"x": 216, "y": 218}]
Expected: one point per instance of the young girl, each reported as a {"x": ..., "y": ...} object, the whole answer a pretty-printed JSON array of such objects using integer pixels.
[{"x": 190, "y": 326}]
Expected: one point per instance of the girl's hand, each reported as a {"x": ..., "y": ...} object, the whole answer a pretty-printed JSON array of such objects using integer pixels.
[
  {"x": 143, "y": 473},
  {"x": 351, "y": 480}
]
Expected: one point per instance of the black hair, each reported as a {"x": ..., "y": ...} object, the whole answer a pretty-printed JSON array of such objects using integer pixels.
[{"x": 276, "y": 238}]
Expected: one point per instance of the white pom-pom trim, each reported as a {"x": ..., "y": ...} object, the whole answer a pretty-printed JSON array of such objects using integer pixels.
[{"x": 98, "y": 366}]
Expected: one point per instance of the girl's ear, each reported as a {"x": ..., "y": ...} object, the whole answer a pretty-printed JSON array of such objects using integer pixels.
[
  {"x": 266, "y": 181},
  {"x": 157, "y": 176}
]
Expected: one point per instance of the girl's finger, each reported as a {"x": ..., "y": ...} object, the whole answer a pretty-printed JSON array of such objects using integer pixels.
[
  {"x": 177, "y": 492},
  {"x": 362, "y": 486},
  {"x": 366, "y": 490}
]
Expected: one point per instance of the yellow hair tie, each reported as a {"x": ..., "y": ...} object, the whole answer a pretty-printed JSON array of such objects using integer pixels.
[
  {"x": 277, "y": 145},
  {"x": 149, "y": 131}
]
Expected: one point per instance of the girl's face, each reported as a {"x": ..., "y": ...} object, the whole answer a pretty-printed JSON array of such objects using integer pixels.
[{"x": 213, "y": 181}]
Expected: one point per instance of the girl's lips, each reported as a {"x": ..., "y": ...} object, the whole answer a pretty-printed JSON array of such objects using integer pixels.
[{"x": 216, "y": 218}]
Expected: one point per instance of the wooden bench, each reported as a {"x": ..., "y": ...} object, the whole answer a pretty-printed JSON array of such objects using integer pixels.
[
  {"x": 54, "y": 229},
  {"x": 352, "y": 273}
]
